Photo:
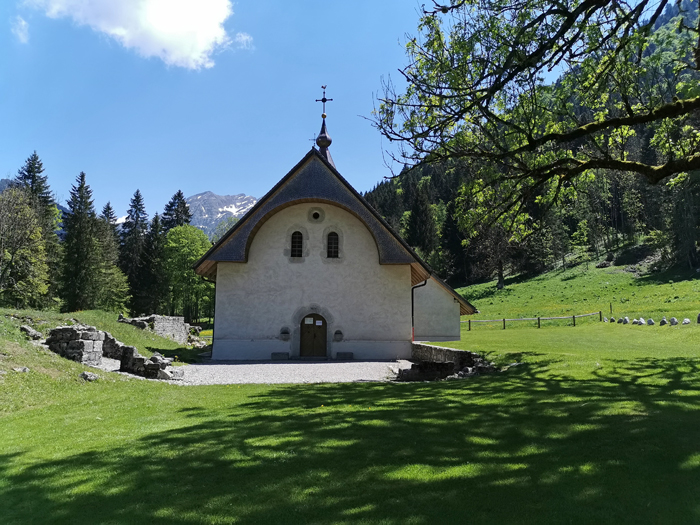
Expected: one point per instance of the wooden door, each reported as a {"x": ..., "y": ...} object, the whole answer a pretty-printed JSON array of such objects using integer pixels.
[{"x": 313, "y": 336}]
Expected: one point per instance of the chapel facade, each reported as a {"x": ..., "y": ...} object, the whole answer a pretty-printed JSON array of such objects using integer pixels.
[{"x": 313, "y": 271}]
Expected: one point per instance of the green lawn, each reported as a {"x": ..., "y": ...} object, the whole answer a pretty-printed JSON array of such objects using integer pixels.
[
  {"x": 675, "y": 293},
  {"x": 599, "y": 424}
]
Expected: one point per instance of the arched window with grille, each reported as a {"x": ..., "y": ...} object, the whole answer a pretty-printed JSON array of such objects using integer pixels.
[
  {"x": 333, "y": 246},
  {"x": 297, "y": 244}
]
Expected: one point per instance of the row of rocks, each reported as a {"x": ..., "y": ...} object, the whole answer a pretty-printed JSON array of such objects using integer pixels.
[
  {"x": 87, "y": 345},
  {"x": 650, "y": 322}
]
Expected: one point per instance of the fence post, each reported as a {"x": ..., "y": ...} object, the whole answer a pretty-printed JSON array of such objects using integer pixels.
[
  {"x": 574, "y": 320},
  {"x": 538, "y": 322},
  {"x": 504, "y": 323},
  {"x": 610, "y": 309},
  {"x": 600, "y": 313},
  {"x": 470, "y": 325}
]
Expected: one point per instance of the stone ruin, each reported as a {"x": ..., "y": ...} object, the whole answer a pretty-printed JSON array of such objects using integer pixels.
[
  {"x": 87, "y": 345},
  {"x": 174, "y": 328},
  {"x": 433, "y": 363}
]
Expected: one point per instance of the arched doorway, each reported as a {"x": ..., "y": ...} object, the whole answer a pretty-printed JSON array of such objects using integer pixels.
[{"x": 313, "y": 338}]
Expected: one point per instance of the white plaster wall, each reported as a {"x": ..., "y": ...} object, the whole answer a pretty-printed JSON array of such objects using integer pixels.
[
  {"x": 436, "y": 314},
  {"x": 370, "y": 303}
]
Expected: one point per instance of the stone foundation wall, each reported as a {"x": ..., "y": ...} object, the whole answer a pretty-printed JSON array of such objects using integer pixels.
[
  {"x": 87, "y": 345},
  {"x": 77, "y": 343},
  {"x": 174, "y": 328},
  {"x": 440, "y": 354},
  {"x": 432, "y": 363}
]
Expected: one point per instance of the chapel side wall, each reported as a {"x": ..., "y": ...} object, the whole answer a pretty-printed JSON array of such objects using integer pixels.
[
  {"x": 436, "y": 314},
  {"x": 368, "y": 302}
]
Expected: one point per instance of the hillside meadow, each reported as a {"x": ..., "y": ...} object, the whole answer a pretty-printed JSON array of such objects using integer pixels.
[{"x": 596, "y": 423}]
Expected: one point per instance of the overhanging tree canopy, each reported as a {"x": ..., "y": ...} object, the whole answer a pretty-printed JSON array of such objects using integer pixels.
[{"x": 480, "y": 86}]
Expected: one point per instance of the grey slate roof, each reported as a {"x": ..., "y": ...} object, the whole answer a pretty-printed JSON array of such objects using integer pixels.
[
  {"x": 314, "y": 179},
  {"x": 313, "y": 182}
]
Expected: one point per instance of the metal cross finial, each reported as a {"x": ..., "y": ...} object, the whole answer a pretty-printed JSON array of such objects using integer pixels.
[{"x": 324, "y": 100}]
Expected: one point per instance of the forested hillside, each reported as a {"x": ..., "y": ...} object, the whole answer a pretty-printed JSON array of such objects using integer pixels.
[
  {"x": 145, "y": 266},
  {"x": 474, "y": 218}
]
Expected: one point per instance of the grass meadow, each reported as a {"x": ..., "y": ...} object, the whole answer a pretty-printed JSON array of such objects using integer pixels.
[{"x": 597, "y": 423}]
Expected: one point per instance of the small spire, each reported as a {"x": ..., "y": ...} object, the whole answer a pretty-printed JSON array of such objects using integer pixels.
[{"x": 323, "y": 141}]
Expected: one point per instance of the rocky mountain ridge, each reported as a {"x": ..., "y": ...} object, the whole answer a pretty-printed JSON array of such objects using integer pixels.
[{"x": 208, "y": 208}]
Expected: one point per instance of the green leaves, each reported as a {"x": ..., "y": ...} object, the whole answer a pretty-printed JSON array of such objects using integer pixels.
[{"x": 481, "y": 87}]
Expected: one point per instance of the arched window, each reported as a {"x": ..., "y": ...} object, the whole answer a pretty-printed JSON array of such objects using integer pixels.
[
  {"x": 332, "y": 251},
  {"x": 297, "y": 244}
]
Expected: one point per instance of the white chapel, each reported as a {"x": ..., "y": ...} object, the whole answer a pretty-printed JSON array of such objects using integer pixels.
[{"x": 313, "y": 271}]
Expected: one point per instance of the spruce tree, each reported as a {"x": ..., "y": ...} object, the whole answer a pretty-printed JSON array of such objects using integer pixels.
[
  {"x": 30, "y": 177},
  {"x": 109, "y": 216},
  {"x": 421, "y": 231},
  {"x": 453, "y": 249},
  {"x": 133, "y": 240},
  {"x": 177, "y": 212},
  {"x": 153, "y": 290},
  {"x": 81, "y": 254}
]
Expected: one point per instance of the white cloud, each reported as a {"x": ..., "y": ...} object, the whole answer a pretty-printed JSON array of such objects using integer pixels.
[
  {"x": 20, "y": 28},
  {"x": 184, "y": 33},
  {"x": 244, "y": 41}
]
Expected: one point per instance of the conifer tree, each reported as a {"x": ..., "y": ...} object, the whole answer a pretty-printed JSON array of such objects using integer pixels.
[
  {"x": 133, "y": 240},
  {"x": 109, "y": 234},
  {"x": 453, "y": 248},
  {"x": 109, "y": 216},
  {"x": 421, "y": 231},
  {"x": 177, "y": 212},
  {"x": 30, "y": 177},
  {"x": 153, "y": 291},
  {"x": 113, "y": 292},
  {"x": 81, "y": 255}
]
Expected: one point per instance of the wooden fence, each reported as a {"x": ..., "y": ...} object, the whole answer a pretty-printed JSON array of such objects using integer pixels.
[{"x": 538, "y": 319}]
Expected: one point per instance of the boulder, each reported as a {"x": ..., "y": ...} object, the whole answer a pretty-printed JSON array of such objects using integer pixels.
[
  {"x": 673, "y": 321},
  {"x": 164, "y": 374},
  {"x": 612, "y": 320},
  {"x": 89, "y": 376},
  {"x": 698, "y": 318},
  {"x": 642, "y": 321},
  {"x": 620, "y": 320},
  {"x": 635, "y": 322},
  {"x": 650, "y": 322},
  {"x": 159, "y": 360},
  {"x": 33, "y": 334},
  {"x": 686, "y": 321},
  {"x": 178, "y": 372},
  {"x": 626, "y": 320},
  {"x": 21, "y": 369},
  {"x": 605, "y": 319}
]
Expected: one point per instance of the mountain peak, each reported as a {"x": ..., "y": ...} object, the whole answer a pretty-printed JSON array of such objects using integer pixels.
[{"x": 208, "y": 208}]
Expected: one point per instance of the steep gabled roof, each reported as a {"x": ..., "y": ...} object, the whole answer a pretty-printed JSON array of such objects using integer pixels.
[{"x": 315, "y": 179}]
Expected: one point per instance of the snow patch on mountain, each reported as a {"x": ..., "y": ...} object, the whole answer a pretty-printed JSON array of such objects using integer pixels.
[{"x": 208, "y": 208}]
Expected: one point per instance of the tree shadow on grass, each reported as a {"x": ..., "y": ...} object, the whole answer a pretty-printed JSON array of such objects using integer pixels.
[
  {"x": 525, "y": 446},
  {"x": 184, "y": 354},
  {"x": 675, "y": 274}
]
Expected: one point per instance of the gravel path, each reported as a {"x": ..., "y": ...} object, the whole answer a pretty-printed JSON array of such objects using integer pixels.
[{"x": 228, "y": 373}]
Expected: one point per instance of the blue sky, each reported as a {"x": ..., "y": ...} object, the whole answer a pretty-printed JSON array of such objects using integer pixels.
[{"x": 196, "y": 95}]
